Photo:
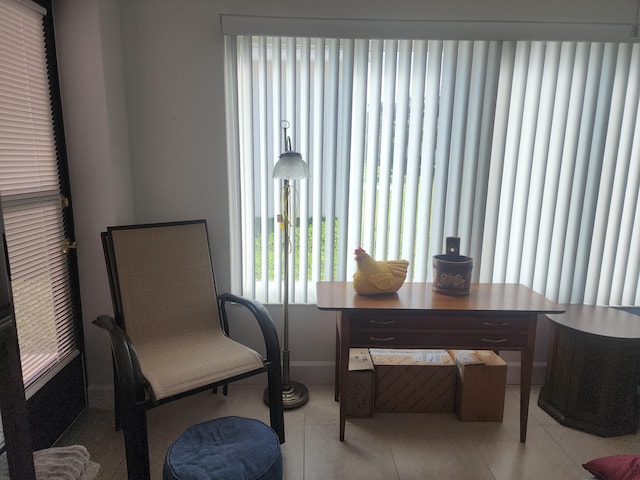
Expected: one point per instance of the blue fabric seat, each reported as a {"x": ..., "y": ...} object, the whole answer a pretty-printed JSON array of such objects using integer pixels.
[{"x": 228, "y": 448}]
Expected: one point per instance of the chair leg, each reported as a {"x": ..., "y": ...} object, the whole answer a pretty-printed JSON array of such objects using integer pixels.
[
  {"x": 117, "y": 401},
  {"x": 225, "y": 389},
  {"x": 276, "y": 408},
  {"x": 136, "y": 446}
]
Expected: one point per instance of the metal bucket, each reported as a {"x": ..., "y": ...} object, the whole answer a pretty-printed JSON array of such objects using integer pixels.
[{"x": 452, "y": 271}]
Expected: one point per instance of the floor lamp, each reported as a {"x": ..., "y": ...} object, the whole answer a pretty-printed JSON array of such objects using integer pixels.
[{"x": 290, "y": 166}]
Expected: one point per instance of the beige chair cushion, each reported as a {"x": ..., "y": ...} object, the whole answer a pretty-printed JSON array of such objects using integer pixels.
[
  {"x": 174, "y": 364},
  {"x": 171, "y": 309},
  {"x": 166, "y": 280}
]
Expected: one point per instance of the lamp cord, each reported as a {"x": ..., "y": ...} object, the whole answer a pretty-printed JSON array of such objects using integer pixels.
[
  {"x": 289, "y": 198},
  {"x": 287, "y": 221}
]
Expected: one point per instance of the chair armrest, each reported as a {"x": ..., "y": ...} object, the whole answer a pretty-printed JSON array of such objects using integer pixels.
[
  {"x": 263, "y": 318},
  {"x": 131, "y": 381}
]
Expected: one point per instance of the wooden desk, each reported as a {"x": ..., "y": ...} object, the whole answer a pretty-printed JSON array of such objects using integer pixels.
[{"x": 491, "y": 317}]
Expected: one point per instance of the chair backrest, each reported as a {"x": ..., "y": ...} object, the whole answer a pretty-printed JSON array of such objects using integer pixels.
[{"x": 161, "y": 278}]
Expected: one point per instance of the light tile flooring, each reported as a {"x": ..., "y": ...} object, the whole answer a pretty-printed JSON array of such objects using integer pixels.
[{"x": 385, "y": 447}]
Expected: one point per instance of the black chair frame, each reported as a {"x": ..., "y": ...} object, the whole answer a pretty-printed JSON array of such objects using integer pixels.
[{"x": 132, "y": 394}]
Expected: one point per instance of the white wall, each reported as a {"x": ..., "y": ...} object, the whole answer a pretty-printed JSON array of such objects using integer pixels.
[
  {"x": 92, "y": 89},
  {"x": 143, "y": 97}
]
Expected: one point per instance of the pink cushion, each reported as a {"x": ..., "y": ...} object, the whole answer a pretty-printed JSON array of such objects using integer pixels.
[{"x": 615, "y": 467}]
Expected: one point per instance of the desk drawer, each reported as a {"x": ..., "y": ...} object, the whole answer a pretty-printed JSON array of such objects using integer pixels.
[
  {"x": 375, "y": 320},
  {"x": 488, "y": 340}
]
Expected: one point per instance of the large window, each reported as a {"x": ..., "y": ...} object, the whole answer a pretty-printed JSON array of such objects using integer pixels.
[{"x": 528, "y": 151}]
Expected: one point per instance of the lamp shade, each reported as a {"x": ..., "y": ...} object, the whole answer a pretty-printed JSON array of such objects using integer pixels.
[{"x": 291, "y": 166}]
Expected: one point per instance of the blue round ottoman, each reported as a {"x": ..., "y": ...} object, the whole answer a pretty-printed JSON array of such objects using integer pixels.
[{"x": 228, "y": 448}]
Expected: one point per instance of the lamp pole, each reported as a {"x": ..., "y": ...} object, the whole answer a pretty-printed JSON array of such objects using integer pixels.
[
  {"x": 285, "y": 295},
  {"x": 294, "y": 394},
  {"x": 289, "y": 166}
]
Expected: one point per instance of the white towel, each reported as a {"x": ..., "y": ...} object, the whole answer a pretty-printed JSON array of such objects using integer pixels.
[
  {"x": 59, "y": 463},
  {"x": 64, "y": 463}
]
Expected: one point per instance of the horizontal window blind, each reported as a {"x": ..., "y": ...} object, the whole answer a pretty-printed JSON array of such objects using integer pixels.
[
  {"x": 528, "y": 151},
  {"x": 30, "y": 193}
]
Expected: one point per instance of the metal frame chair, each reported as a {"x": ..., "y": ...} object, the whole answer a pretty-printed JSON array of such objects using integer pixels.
[{"x": 170, "y": 330}]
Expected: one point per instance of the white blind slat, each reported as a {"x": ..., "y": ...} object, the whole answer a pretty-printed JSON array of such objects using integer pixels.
[
  {"x": 302, "y": 292},
  {"x": 480, "y": 212},
  {"x": 424, "y": 248},
  {"x": 245, "y": 106},
  {"x": 232, "y": 101},
  {"x": 459, "y": 118},
  {"x": 358, "y": 152},
  {"x": 443, "y": 145},
  {"x": 376, "y": 52},
  {"x": 489, "y": 259},
  {"x": 330, "y": 153},
  {"x": 470, "y": 156},
  {"x": 343, "y": 157},
  {"x": 264, "y": 156},
  {"x": 543, "y": 172},
  {"x": 316, "y": 159},
  {"x": 387, "y": 100},
  {"x": 290, "y": 85},
  {"x": 277, "y": 147},
  {"x": 504, "y": 249},
  {"x": 416, "y": 112},
  {"x": 399, "y": 160}
]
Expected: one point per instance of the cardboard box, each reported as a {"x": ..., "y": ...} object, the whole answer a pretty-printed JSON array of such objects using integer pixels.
[
  {"x": 414, "y": 381},
  {"x": 361, "y": 383},
  {"x": 481, "y": 385}
]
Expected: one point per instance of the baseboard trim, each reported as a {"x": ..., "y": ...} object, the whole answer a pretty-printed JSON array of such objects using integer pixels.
[
  {"x": 537, "y": 377},
  {"x": 309, "y": 373}
]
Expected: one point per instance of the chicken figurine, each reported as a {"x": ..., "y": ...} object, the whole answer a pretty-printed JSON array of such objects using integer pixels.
[{"x": 374, "y": 277}]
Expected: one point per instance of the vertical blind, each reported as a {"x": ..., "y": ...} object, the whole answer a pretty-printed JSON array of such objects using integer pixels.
[
  {"x": 529, "y": 151},
  {"x": 31, "y": 195}
]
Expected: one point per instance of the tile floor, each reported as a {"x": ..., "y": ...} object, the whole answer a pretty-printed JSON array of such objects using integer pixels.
[{"x": 385, "y": 447}]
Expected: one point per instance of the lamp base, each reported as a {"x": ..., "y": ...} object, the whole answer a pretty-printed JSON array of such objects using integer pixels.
[{"x": 294, "y": 395}]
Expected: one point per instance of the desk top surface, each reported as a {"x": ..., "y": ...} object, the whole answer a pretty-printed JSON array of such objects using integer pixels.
[{"x": 483, "y": 297}]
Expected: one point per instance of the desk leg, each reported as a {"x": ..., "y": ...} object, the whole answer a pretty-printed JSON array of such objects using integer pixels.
[
  {"x": 526, "y": 374},
  {"x": 336, "y": 376},
  {"x": 344, "y": 340}
]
